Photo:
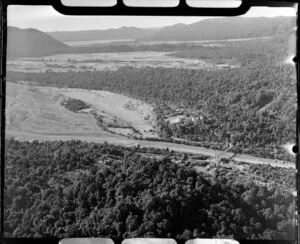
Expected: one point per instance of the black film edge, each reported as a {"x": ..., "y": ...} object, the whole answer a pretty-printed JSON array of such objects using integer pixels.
[
  {"x": 120, "y": 9},
  {"x": 183, "y": 9}
]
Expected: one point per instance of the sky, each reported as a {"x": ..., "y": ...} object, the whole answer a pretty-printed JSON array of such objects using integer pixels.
[{"x": 45, "y": 18}]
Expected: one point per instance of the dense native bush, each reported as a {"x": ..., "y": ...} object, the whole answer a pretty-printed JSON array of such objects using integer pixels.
[
  {"x": 67, "y": 189},
  {"x": 74, "y": 105}
]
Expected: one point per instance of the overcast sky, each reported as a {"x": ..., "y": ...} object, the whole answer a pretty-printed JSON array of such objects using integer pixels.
[{"x": 45, "y": 18}]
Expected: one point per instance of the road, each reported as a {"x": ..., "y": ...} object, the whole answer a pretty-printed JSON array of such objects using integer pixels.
[{"x": 123, "y": 141}]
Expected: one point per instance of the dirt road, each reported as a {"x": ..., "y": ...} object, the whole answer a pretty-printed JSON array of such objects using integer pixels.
[{"x": 119, "y": 140}]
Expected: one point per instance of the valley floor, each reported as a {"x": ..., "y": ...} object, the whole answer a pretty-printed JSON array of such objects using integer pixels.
[{"x": 36, "y": 113}]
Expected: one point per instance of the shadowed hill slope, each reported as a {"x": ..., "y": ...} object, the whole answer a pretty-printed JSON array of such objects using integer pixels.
[
  {"x": 208, "y": 29},
  {"x": 225, "y": 28},
  {"x": 32, "y": 43}
]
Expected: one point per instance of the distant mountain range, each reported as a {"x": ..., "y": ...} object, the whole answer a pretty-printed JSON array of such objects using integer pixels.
[
  {"x": 224, "y": 28},
  {"x": 31, "y": 42},
  {"x": 110, "y": 34},
  {"x": 208, "y": 29}
]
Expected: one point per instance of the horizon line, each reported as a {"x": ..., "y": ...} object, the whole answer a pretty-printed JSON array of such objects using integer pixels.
[{"x": 149, "y": 28}]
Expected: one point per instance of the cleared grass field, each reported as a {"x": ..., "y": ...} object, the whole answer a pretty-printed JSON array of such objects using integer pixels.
[
  {"x": 116, "y": 110},
  {"x": 108, "y": 61},
  {"x": 39, "y": 110}
]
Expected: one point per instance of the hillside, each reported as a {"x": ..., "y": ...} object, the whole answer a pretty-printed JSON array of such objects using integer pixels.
[
  {"x": 32, "y": 43},
  {"x": 208, "y": 29},
  {"x": 224, "y": 28},
  {"x": 110, "y": 34}
]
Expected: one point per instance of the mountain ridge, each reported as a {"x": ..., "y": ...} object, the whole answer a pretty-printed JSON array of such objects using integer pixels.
[
  {"x": 224, "y": 28},
  {"x": 35, "y": 43},
  {"x": 89, "y": 35},
  {"x": 32, "y": 43},
  {"x": 206, "y": 29}
]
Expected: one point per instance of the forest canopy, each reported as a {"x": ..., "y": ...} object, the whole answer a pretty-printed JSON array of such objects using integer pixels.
[{"x": 77, "y": 189}]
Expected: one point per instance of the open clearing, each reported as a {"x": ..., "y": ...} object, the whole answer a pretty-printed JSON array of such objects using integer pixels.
[
  {"x": 35, "y": 109},
  {"x": 108, "y": 61},
  {"x": 120, "y": 112},
  {"x": 36, "y": 113}
]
